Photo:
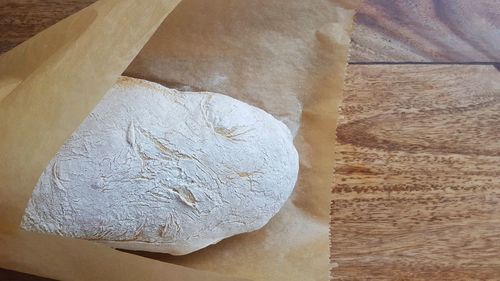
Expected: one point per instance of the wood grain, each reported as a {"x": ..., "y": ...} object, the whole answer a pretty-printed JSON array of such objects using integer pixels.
[
  {"x": 427, "y": 31},
  {"x": 416, "y": 193},
  {"x": 21, "y": 19}
]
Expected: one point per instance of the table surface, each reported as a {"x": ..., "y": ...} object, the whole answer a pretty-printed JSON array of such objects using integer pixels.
[
  {"x": 416, "y": 187},
  {"x": 427, "y": 31}
]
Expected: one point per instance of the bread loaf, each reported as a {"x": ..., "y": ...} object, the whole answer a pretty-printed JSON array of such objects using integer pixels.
[{"x": 160, "y": 170}]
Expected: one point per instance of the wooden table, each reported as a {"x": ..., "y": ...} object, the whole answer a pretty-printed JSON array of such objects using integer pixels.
[
  {"x": 417, "y": 187},
  {"x": 416, "y": 194},
  {"x": 452, "y": 31},
  {"x": 417, "y": 183}
]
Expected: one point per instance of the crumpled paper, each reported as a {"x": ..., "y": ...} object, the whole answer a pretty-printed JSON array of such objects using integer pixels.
[{"x": 285, "y": 56}]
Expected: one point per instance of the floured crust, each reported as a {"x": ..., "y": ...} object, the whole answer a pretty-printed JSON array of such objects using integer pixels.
[{"x": 155, "y": 169}]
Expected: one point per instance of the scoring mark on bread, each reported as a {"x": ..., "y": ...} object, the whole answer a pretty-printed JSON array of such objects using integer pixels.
[
  {"x": 186, "y": 196},
  {"x": 55, "y": 176}
]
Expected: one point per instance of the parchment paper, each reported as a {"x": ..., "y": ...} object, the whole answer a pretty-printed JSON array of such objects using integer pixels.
[{"x": 285, "y": 56}]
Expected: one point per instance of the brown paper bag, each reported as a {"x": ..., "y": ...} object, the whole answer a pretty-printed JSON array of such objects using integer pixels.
[{"x": 287, "y": 57}]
